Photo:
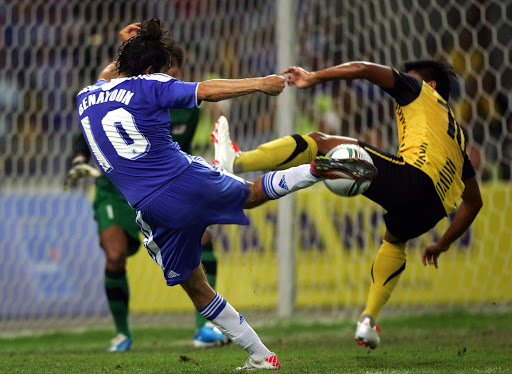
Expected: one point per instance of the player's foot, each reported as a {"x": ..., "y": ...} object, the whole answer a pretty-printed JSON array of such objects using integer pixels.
[
  {"x": 225, "y": 149},
  {"x": 209, "y": 336},
  {"x": 121, "y": 343},
  {"x": 346, "y": 168},
  {"x": 269, "y": 363},
  {"x": 366, "y": 333}
]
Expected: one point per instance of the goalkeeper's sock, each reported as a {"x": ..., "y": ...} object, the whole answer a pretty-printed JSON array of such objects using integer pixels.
[
  {"x": 279, "y": 183},
  {"x": 118, "y": 295},
  {"x": 233, "y": 325},
  {"x": 386, "y": 270},
  {"x": 209, "y": 261},
  {"x": 279, "y": 154}
]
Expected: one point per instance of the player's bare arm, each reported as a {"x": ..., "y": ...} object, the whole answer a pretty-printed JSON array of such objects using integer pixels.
[
  {"x": 377, "y": 74},
  {"x": 222, "y": 89},
  {"x": 468, "y": 210}
]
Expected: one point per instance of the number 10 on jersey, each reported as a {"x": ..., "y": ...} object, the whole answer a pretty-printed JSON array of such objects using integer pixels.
[{"x": 122, "y": 132}]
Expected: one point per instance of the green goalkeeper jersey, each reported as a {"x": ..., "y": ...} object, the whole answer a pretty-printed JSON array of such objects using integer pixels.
[{"x": 183, "y": 127}]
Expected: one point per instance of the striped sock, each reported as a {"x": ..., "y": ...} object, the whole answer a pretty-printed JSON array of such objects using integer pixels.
[
  {"x": 209, "y": 261},
  {"x": 277, "y": 184},
  {"x": 213, "y": 309},
  {"x": 233, "y": 325}
]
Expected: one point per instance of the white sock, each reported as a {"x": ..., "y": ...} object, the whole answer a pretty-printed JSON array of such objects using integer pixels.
[
  {"x": 282, "y": 182},
  {"x": 233, "y": 325}
]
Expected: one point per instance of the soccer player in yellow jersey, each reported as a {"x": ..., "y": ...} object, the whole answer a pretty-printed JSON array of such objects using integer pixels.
[{"x": 417, "y": 187}]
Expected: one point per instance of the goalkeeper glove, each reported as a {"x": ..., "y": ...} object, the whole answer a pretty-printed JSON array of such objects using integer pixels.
[{"x": 79, "y": 169}]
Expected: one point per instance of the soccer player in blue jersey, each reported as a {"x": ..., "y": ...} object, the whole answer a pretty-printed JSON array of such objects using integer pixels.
[
  {"x": 177, "y": 196},
  {"x": 418, "y": 186},
  {"x": 118, "y": 232}
]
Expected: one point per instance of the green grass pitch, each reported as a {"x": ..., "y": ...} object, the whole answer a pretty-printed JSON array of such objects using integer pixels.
[{"x": 455, "y": 342}]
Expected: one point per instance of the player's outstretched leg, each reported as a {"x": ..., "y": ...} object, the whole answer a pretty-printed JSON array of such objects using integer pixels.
[
  {"x": 231, "y": 323},
  {"x": 279, "y": 154},
  {"x": 276, "y": 184}
]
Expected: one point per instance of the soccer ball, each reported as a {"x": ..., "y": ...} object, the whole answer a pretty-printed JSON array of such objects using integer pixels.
[{"x": 347, "y": 187}]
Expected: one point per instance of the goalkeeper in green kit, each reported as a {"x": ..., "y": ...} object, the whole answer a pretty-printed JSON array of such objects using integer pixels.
[{"x": 119, "y": 234}]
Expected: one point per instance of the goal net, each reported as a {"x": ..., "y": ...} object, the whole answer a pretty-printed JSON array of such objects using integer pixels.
[{"x": 51, "y": 266}]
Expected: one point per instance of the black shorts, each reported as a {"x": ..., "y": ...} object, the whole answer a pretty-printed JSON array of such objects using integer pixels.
[{"x": 406, "y": 193}]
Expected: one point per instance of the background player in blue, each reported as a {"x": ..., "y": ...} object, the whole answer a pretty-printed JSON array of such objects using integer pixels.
[
  {"x": 119, "y": 234},
  {"x": 177, "y": 196}
]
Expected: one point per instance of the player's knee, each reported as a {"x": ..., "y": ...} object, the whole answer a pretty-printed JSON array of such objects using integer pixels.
[
  {"x": 321, "y": 141},
  {"x": 114, "y": 239},
  {"x": 327, "y": 142},
  {"x": 318, "y": 137},
  {"x": 116, "y": 259},
  {"x": 115, "y": 246}
]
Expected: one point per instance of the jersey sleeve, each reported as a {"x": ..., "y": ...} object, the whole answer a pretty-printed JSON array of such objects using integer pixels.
[
  {"x": 94, "y": 86},
  {"x": 407, "y": 88},
  {"x": 467, "y": 169},
  {"x": 100, "y": 83},
  {"x": 173, "y": 94}
]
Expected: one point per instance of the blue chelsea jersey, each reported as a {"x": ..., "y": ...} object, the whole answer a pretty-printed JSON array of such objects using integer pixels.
[{"x": 126, "y": 125}]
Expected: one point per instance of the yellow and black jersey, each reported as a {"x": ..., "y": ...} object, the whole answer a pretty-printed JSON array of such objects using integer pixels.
[{"x": 430, "y": 139}]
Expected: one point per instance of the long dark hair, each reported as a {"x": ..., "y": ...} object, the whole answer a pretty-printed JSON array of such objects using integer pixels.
[{"x": 151, "y": 47}]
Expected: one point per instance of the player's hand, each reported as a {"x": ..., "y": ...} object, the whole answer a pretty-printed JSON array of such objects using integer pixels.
[
  {"x": 129, "y": 31},
  {"x": 272, "y": 85},
  {"x": 431, "y": 254},
  {"x": 299, "y": 77},
  {"x": 79, "y": 170}
]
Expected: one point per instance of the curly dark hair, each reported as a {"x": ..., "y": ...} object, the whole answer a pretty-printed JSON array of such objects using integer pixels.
[
  {"x": 151, "y": 47},
  {"x": 439, "y": 71}
]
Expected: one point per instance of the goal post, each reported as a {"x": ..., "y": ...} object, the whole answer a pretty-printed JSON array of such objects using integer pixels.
[{"x": 285, "y": 120}]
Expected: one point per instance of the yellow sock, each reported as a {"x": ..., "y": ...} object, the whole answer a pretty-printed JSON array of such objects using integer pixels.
[
  {"x": 387, "y": 267},
  {"x": 278, "y": 154}
]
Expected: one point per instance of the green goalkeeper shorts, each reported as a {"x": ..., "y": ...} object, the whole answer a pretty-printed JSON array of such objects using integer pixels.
[{"x": 111, "y": 209}]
